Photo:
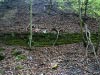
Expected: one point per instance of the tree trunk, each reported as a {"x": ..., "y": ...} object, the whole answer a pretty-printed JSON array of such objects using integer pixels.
[
  {"x": 86, "y": 6},
  {"x": 30, "y": 37}
]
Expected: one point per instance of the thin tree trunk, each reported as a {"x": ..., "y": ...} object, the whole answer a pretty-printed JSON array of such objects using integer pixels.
[
  {"x": 58, "y": 32},
  {"x": 30, "y": 37},
  {"x": 98, "y": 39},
  {"x": 49, "y": 6},
  {"x": 81, "y": 23},
  {"x": 86, "y": 5}
]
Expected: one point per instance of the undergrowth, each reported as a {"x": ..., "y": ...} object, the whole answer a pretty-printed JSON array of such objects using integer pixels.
[{"x": 41, "y": 39}]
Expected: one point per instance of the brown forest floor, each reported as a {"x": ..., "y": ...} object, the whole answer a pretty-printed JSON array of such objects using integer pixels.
[
  {"x": 70, "y": 60},
  {"x": 68, "y": 23}
]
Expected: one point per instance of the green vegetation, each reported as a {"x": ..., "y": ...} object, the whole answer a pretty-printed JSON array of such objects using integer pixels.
[
  {"x": 21, "y": 57},
  {"x": 18, "y": 54},
  {"x": 41, "y": 39},
  {"x": 1, "y": 50},
  {"x": 92, "y": 5},
  {"x": 2, "y": 72},
  {"x": 1, "y": 54},
  {"x": 19, "y": 67}
]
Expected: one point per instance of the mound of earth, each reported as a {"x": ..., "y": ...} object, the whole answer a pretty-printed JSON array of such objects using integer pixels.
[
  {"x": 68, "y": 23},
  {"x": 14, "y": 17}
]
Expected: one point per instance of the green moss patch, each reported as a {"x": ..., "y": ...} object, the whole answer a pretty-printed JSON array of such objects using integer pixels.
[{"x": 41, "y": 39}]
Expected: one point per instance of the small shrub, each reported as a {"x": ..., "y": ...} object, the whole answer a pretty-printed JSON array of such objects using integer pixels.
[
  {"x": 1, "y": 56},
  {"x": 16, "y": 52},
  {"x": 19, "y": 67},
  {"x": 21, "y": 57}
]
